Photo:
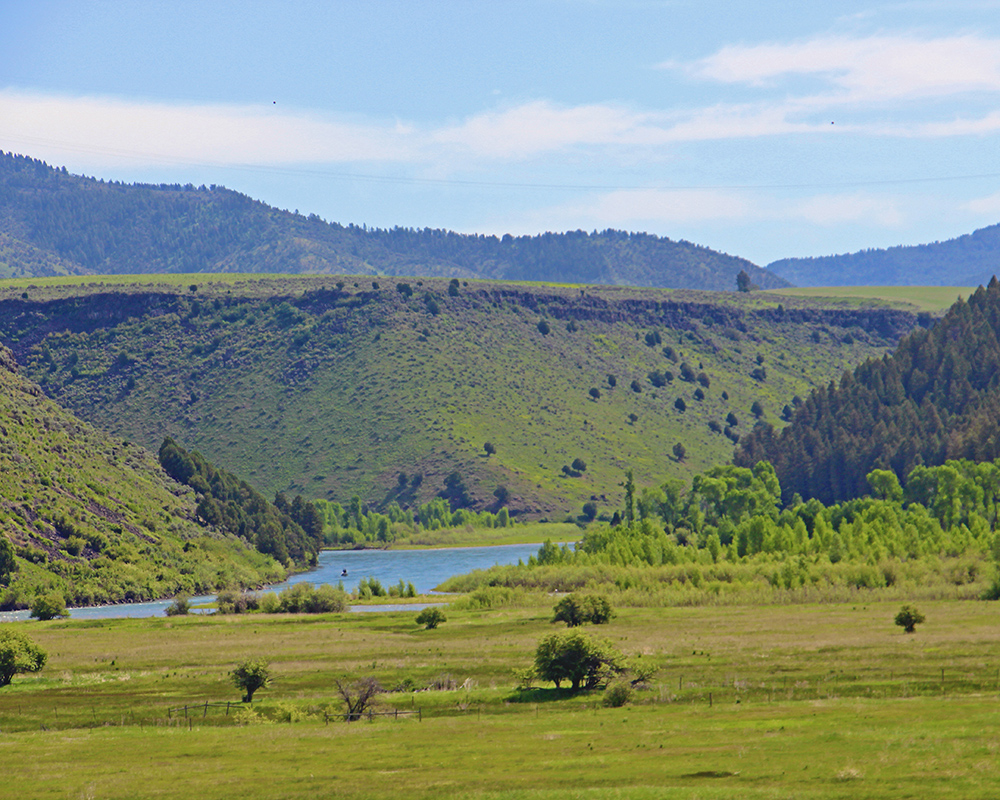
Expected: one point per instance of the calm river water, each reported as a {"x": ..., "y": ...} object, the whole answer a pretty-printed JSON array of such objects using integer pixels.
[{"x": 425, "y": 569}]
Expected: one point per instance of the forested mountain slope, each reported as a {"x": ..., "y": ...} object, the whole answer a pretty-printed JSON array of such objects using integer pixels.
[
  {"x": 330, "y": 388},
  {"x": 56, "y": 223},
  {"x": 937, "y": 397},
  {"x": 95, "y": 518},
  {"x": 969, "y": 260}
]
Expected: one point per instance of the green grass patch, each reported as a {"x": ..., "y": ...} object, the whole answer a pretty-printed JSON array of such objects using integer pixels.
[
  {"x": 824, "y": 701},
  {"x": 935, "y": 299}
]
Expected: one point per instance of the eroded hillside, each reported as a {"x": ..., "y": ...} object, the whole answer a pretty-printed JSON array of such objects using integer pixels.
[{"x": 331, "y": 388}]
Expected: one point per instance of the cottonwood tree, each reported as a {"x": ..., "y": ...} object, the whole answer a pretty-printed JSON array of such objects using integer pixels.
[
  {"x": 18, "y": 654},
  {"x": 577, "y": 658},
  {"x": 250, "y": 675}
]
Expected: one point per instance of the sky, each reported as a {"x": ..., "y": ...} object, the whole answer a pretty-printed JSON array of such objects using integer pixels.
[{"x": 765, "y": 129}]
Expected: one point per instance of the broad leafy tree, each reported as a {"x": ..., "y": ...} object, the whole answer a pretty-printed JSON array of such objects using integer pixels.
[
  {"x": 250, "y": 675},
  {"x": 580, "y": 660},
  {"x": 18, "y": 654}
]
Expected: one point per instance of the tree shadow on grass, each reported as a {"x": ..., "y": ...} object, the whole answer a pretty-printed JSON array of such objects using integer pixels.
[{"x": 538, "y": 695}]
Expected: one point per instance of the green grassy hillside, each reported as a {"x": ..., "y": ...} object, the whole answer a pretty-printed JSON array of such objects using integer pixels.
[
  {"x": 299, "y": 386},
  {"x": 94, "y": 518}
]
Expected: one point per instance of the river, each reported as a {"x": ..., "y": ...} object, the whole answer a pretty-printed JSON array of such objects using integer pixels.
[{"x": 425, "y": 569}]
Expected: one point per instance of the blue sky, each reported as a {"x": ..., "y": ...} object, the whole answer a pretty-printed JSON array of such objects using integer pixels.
[{"x": 764, "y": 129}]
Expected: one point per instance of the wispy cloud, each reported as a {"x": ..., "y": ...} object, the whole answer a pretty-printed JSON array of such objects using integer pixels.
[
  {"x": 873, "y": 84},
  {"x": 874, "y": 68},
  {"x": 113, "y": 131},
  {"x": 988, "y": 206}
]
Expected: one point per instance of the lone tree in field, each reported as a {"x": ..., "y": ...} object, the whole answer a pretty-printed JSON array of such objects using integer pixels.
[
  {"x": 908, "y": 618},
  {"x": 251, "y": 675},
  {"x": 575, "y": 657},
  {"x": 358, "y": 696},
  {"x": 431, "y": 617},
  {"x": 18, "y": 654},
  {"x": 489, "y": 448}
]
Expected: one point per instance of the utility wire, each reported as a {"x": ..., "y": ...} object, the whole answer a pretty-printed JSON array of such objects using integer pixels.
[{"x": 404, "y": 179}]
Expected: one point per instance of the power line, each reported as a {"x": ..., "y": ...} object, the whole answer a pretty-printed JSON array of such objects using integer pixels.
[{"x": 410, "y": 180}]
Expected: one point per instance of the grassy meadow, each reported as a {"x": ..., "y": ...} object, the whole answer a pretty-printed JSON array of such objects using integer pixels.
[
  {"x": 825, "y": 700},
  {"x": 932, "y": 299}
]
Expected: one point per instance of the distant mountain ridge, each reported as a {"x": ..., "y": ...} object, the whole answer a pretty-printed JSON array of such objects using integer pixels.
[
  {"x": 55, "y": 223},
  {"x": 969, "y": 260}
]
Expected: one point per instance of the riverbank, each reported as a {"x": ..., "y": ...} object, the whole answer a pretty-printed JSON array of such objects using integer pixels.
[
  {"x": 528, "y": 533},
  {"x": 425, "y": 568}
]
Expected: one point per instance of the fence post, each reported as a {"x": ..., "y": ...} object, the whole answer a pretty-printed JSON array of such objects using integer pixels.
[
  {"x": 709, "y": 699},
  {"x": 206, "y": 710}
]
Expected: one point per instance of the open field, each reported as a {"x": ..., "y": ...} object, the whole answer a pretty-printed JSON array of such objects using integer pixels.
[
  {"x": 827, "y": 700},
  {"x": 935, "y": 299}
]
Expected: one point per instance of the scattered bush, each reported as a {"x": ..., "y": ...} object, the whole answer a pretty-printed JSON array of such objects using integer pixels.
[
  {"x": 49, "y": 606},
  {"x": 618, "y": 694},
  {"x": 574, "y": 610},
  {"x": 431, "y": 617},
  {"x": 304, "y": 598},
  {"x": 180, "y": 607},
  {"x": 908, "y": 618},
  {"x": 233, "y": 601}
]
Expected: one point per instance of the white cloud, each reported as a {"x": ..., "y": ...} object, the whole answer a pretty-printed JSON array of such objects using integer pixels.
[
  {"x": 114, "y": 131},
  {"x": 864, "y": 69},
  {"x": 989, "y": 205},
  {"x": 540, "y": 126}
]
